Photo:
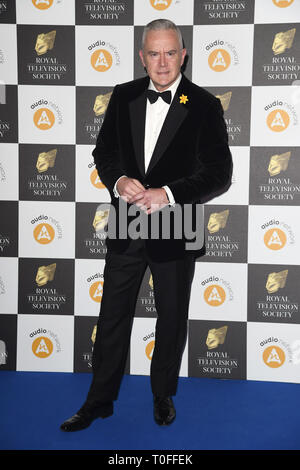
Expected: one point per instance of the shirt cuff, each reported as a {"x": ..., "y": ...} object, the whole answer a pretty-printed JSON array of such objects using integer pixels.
[
  {"x": 170, "y": 196},
  {"x": 116, "y": 193}
]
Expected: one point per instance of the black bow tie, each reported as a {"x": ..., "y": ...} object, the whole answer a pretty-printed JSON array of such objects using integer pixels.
[{"x": 153, "y": 96}]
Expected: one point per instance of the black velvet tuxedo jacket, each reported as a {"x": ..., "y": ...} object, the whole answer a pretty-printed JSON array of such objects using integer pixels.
[{"x": 191, "y": 156}]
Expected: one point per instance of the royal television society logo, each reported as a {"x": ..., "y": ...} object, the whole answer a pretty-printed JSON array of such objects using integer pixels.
[
  {"x": 44, "y": 343},
  {"x": 103, "y": 55},
  {"x": 217, "y": 291},
  {"x": 222, "y": 55},
  {"x": 95, "y": 284},
  {"x": 277, "y": 234},
  {"x": 278, "y": 303},
  {"x": 46, "y": 229},
  {"x": 46, "y": 296},
  {"x": 281, "y": 117},
  {"x": 46, "y": 114},
  {"x": 87, "y": 356},
  {"x": 147, "y": 301},
  {"x": 216, "y": 361},
  {"x": 161, "y": 5},
  {"x": 92, "y": 127}
]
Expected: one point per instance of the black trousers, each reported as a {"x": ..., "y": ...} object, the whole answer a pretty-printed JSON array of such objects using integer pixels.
[{"x": 123, "y": 274}]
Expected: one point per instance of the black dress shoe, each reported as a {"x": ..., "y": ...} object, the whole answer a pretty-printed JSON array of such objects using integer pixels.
[
  {"x": 164, "y": 410},
  {"x": 86, "y": 415}
]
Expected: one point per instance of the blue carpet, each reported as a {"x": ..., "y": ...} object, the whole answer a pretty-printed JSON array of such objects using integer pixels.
[{"x": 211, "y": 414}]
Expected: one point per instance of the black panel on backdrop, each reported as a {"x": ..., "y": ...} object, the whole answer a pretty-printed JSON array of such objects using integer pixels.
[
  {"x": 46, "y": 286},
  {"x": 8, "y": 342},
  {"x": 46, "y": 172},
  {"x": 9, "y": 228},
  {"x": 46, "y": 54}
]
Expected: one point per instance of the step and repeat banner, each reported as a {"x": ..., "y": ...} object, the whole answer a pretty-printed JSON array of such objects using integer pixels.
[{"x": 59, "y": 62}]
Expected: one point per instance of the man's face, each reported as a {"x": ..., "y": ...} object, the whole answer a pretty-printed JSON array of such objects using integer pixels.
[{"x": 162, "y": 57}]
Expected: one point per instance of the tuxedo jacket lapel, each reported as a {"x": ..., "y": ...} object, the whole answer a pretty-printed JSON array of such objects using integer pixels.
[
  {"x": 176, "y": 114},
  {"x": 137, "y": 112}
]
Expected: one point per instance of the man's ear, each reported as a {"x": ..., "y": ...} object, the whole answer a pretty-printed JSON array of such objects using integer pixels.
[
  {"x": 142, "y": 57},
  {"x": 183, "y": 52}
]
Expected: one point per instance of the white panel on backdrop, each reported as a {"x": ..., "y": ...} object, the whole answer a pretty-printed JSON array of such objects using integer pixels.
[
  {"x": 89, "y": 282},
  {"x": 104, "y": 56},
  {"x": 45, "y": 343},
  {"x": 142, "y": 345},
  {"x": 46, "y": 114},
  {"x": 8, "y": 285},
  {"x": 8, "y": 54},
  {"x": 238, "y": 192},
  {"x": 179, "y": 11},
  {"x": 9, "y": 172},
  {"x": 89, "y": 187},
  {"x": 222, "y": 55},
  {"x": 277, "y": 11},
  {"x": 46, "y": 229},
  {"x": 273, "y": 352},
  {"x": 274, "y": 235},
  {"x": 219, "y": 292},
  {"x": 275, "y": 116},
  {"x": 45, "y": 11}
]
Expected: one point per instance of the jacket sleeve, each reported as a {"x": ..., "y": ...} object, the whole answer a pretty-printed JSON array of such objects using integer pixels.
[
  {"x": 213, "y": 170},
  {"x": 106, "y": 155}
]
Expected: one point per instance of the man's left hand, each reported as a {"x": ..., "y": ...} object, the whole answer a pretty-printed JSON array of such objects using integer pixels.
[{"x": 150, "y": 200}]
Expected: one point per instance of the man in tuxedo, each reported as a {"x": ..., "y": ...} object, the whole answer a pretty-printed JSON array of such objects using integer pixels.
[{"x": 163, "y": 145}]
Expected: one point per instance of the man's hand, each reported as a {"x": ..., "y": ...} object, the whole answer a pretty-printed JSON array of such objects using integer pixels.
[
  {"x": 150, "y": 200},
  {"x": 129, "y": 187}
]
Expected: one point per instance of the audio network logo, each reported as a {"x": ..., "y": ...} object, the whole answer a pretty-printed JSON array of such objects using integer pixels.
[
  {"x": 46, "y": 229},
  {"x": 45, "y": 344},
  {"x": 221, "y": 55},
  {"x": 217, "y": 291},
  {"x": 104, "y": 56},
  {"x": 281, "y": 117},
  {"x": 161, "y": 4},
  {"x": 276, "y": 352},
  {"x": 95, "y": 286},
  {"x": 277, "y": 234},
  {"x": 42, "y": 4},
  {"x": 46, "y": 114},
  {"x": 94, "y": 177},
  {"x": 283, "y": 3},
  {"x": 149, "y": 348}
]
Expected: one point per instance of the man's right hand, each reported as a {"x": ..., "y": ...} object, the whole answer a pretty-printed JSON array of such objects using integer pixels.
[{"x": 128, "y": 187}]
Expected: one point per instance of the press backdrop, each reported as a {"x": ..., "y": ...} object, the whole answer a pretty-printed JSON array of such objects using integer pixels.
[{"x": 59, "y": 61}]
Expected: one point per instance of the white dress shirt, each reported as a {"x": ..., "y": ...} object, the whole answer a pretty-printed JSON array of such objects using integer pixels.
[{"x": 155, "y": 117}]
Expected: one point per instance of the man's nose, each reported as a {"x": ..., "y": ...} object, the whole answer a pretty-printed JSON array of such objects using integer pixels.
[{"x": 162, "y": 59}]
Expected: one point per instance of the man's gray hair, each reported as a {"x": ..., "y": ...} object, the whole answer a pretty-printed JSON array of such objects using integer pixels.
[{"x": 160, "y": 24}]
